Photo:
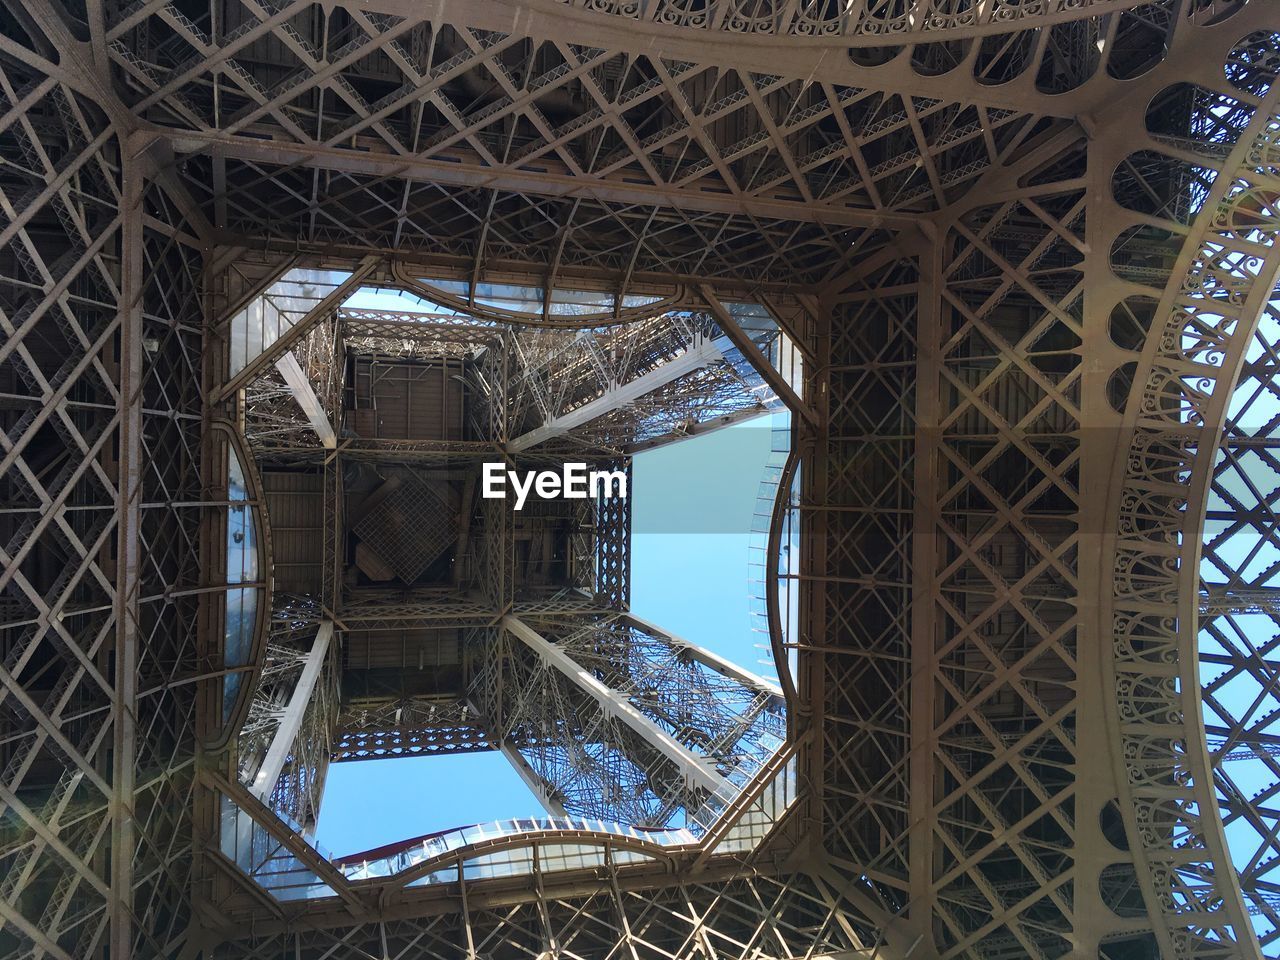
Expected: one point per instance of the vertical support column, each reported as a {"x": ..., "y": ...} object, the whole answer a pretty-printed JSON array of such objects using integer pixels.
[
  {"x": 613, "y": 547},
  {"x": 128, "y": 550},
  {"x": 810, "y": 709},
  {"x": 331, "y": 573},
  {"x": 924, "y": 564},
  {"x": 291, "y": 723},
  {"x": 1103, "y": 446}
]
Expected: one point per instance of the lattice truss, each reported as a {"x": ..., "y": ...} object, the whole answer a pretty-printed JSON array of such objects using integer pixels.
[
  {"x": 977, "y": 690},
  {"x": 858, "y": 500},
  {"x": 612, "y": 583},
  {"x": 678, "y": 166},
  {"x": 1012, "y": 649},
  {"x": 1199, "y": 471},
  {"x": 373, "y": 609},
  {"x": 615, "y": 387},
  {"x": 736, "y": 725},
  {"x": 587, "y": 756},
  {"x": 860, "y": 22},
  {"x": 585, "y": 760},
  {"x": 271, "y": 414},
  {"x": 415, "y": 336},
  {"x": 605, "y": 390},
  {"x": 1238, "y": 626},
  {"x": 100, "y": 363},
  {"x": 689, "y": 168},
  {"x": 779, "y": 914},
  {"x": 297, "y": 790},
  {"x": 409, "y": 726},
  {"x": 60, "y": 289}
]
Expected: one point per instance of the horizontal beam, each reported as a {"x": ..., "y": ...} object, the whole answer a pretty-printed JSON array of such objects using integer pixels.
[
  {"x": 856, "y": 24},
  {"x": 469, "y": 171},
  {"x": 696, "y": 769}
]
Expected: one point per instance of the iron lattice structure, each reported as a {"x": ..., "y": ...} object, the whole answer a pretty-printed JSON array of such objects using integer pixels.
[{"x": 1027, "y": 252}]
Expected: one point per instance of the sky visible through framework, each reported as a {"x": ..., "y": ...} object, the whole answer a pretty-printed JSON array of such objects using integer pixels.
[{"x": 692, "y": 507}]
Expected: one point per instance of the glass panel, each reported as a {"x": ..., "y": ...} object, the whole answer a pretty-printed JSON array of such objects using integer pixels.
[
  {"x": 507, "y": 862},
  {"x": 242, "y": 538},
  {"x": 518, "y": 298},
  {"x": 759, "y": 324},
  {"x": 242, "y": 567},
  {"x": 265, "y": 860},
  {"x": 391, "y": 300},
  {"x": 273, "y": 312},
  {"x": 762, "y": 566}
]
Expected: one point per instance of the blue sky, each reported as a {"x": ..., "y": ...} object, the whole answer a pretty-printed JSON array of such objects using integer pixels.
[{"x": 692, "y": 503}]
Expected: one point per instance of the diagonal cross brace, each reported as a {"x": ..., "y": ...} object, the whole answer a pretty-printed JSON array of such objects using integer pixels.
[
  {"x": 291, "y": 337},
  {"x": 701, "y": 354},
  {"x": 696, "y": 769},
  {"x": 291, "y": 723},
  {"x": 776, "y": 381}
]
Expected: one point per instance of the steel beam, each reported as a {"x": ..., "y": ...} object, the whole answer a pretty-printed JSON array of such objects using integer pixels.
[
  {"x": 695, "y": 769},
  {"x": 537, "y": 786},
  {"x": 291, "y": 722},
  {"x": 128, "y": 560},
  {"x": 702, "y": 353},
  {"x": 922, "y": 766},
  {"x": 707, "y": 658},
  {"x": 470, "y": 171},
  {"x": 305, "y": 394},
  {"x": 696, "y": 430},
  {"x": 776, "y": 381},
  {"x": 286, "y": 341}
]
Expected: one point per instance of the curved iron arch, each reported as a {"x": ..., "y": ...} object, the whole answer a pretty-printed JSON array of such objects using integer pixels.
[{"x": 1171, "y": 429}]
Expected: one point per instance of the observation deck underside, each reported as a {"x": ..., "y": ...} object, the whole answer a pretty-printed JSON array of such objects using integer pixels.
[{"x": 276, "y": 279}]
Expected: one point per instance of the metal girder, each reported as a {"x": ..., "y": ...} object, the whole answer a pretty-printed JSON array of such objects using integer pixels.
[
  {"x": 305, "y": 394},
  {"x": 857, "y": 23},
  {"x": 761, "y": 363},
  {"x": 697, "y": 429},
  {"x": 708, "y": 658},
  {"x": 1180, "y": 459},
  {"x": 652, "y": 380},
  {"x": 125, "y": 733},
  {"x": 372, "y": 728},
  {"x": 695, "y": 769},
  {"x": 726, "y": 714},
  {"x": 282, "y": 742},
  {"x": 618, "y": 396},
  {"x": 286, "y": 341},
  {"x": 469, "y": 171},
  {"x": 537, "y": 786}
]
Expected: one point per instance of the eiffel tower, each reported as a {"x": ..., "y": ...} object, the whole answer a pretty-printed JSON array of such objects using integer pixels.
[{"x": 282, "y": 281}]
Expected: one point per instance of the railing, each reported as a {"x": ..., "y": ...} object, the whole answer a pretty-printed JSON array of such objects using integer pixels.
[
  {"x": 853, "y": 23},
  {"x": 594, "y": 834},
  {"x": 300, "y": 869}
]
